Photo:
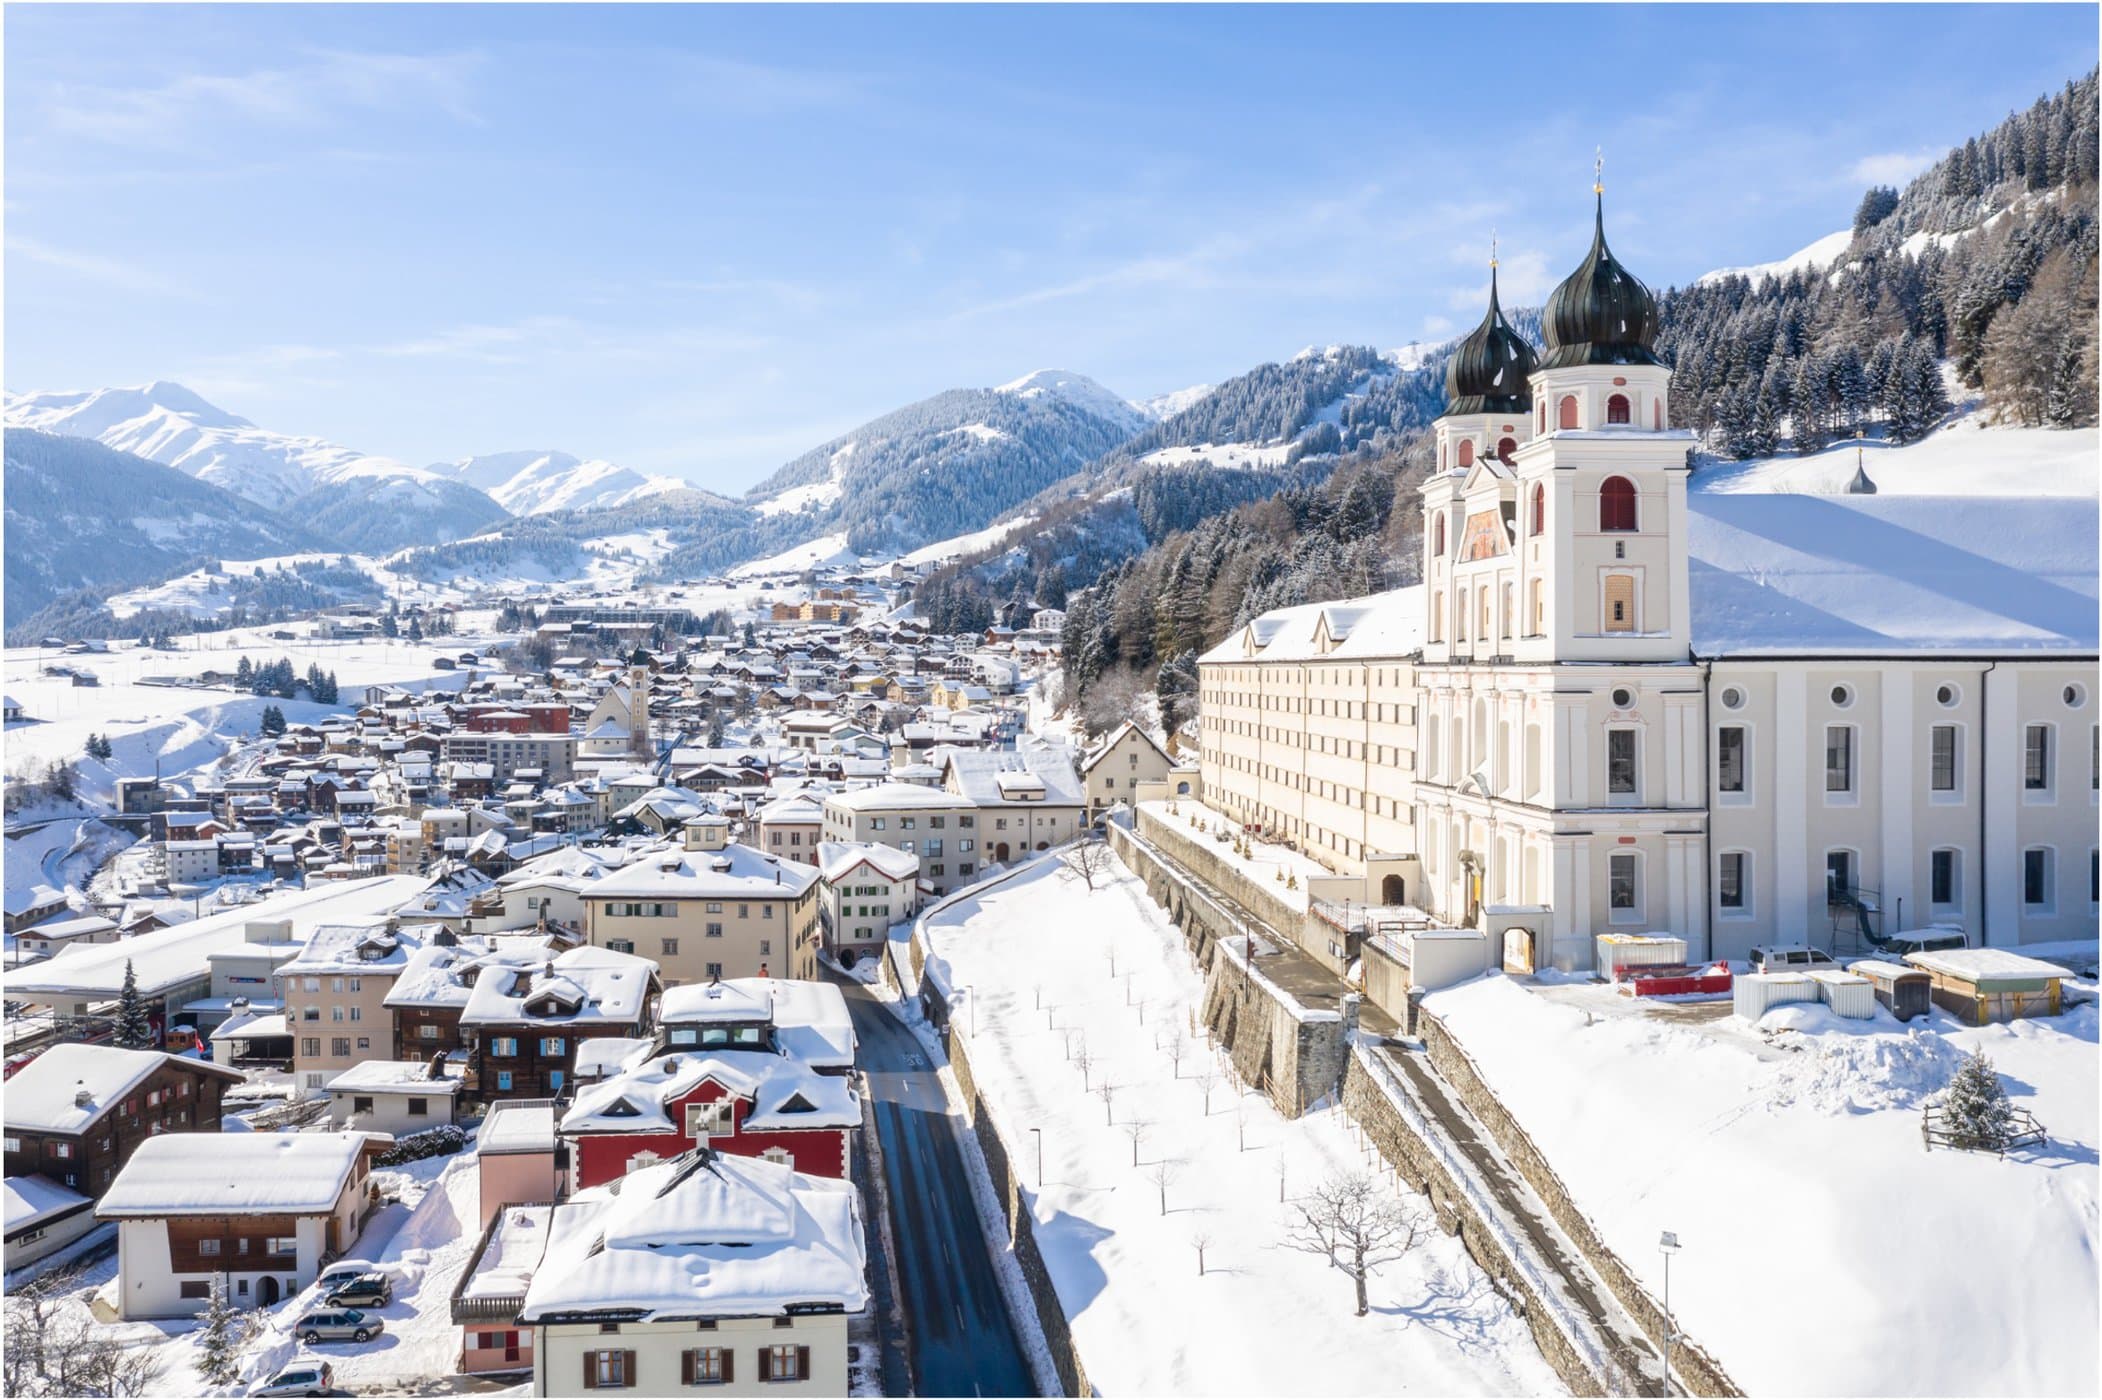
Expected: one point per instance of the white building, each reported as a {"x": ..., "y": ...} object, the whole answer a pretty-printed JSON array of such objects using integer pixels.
[
  {"x": 392, "y": 1096},
  {"x": 1118, "y": 763},
  {"x": 1615, "y": 704},
  {"x": 866, "y": 889},
  {"x": 731, "y": 1272}
]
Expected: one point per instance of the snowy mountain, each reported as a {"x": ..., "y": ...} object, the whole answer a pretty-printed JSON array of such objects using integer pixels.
[
  {"x": 349, "y": 497},
  {"x": 950, "y": 464},
  {"x": 1162, "y": 407},
  {"x": 533, "y": 483},
  {"x": 83, "y": 516}
]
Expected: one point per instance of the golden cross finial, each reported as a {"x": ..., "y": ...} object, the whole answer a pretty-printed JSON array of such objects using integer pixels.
[
  {"x": 1598, "y": 171},
  {"x": 1492, "y": 250}
]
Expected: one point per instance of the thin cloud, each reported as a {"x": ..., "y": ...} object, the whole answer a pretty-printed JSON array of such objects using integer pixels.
[
  {"x": 1891, "y": 167},
  {"x": 109, "y": 272}
]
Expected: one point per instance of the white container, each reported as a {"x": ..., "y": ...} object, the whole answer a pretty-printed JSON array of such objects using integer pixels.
[
  {"x": 1754, "y": 994},
  {"x": 1849, "y": 995},
  {"x": 1623, "y": 950}
]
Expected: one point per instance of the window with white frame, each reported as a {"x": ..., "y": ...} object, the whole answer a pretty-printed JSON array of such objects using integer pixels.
[
  {"x": 1839, "y": 758},
  {"x": 1943, "y": 755},
  {"x": 1731, "y": 891},
  {"x": 1624, "y": 885},
  {"x": 1945, "y": 878},
  {"x": 2037, "y": 892},
  {"x": 2036, "y": 758}
]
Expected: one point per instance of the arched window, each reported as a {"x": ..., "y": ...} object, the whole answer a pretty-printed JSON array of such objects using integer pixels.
[
  {"x": 1617, "y": 409},
  {"x": 1466, "y": 452},
  {"x": 1506, "y": 448},
  {"x": 1540, "y": 509},
  {"x": 1616, "y": 504},
  {"x": 1566, "y": 412},
  {"x": 1438, "y": 537}
]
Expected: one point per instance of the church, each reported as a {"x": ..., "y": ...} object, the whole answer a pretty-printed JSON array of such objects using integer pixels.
[{"x": 1621, "y": 702}]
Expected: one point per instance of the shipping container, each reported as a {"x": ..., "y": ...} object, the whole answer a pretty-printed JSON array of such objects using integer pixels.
[
  {"x": 1622, "y": 950},
  {"x": 1848, "y": 995},
  {"x": 1756, "y": 993},
  {"x": 1905, "y": 992}
]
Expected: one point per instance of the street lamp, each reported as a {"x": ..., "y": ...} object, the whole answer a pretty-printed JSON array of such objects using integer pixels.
[
  {"x": 1668, "y": 1245},
  {"x": 1039, "y": 1134}
]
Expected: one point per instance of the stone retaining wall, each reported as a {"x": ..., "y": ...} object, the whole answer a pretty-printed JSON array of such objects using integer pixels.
[
  {"x": 1403, "y": 1145},
  {"x": 1021, "y": 1226},
  {"x": 1695, "y": 1369}
]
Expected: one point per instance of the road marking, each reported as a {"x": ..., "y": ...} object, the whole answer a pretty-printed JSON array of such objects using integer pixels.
[{"x": 915, "y": 1062}]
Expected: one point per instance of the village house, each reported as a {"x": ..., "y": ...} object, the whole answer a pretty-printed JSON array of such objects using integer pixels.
[
  {"x": 1113, "y": 769},
  {"x": 866, "y": 888},
  {"x": 76, "y": 1113},
  {"x": 525, "y": 1021},
  {"x": 335, "y": 998},
  {"x": 708, "y": 909}
]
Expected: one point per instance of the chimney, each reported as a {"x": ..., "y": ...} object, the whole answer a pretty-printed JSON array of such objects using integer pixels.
[{"x": 81, "y": 1097}]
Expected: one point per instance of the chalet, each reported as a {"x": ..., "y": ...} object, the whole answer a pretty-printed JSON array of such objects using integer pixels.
[
  {"x": 526, "y": 1021},
  {"x": 264, "y": 1211},
  {"x": 76, "y": 1113},
  {"x": 1115, "y": 766}
]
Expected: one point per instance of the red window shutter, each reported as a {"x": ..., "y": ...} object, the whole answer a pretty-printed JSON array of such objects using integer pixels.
[
  {"x": 730, "y": 1365},
  {"x": 591, "y": 1370},
  {"x": 687, "y": 1359},
  {"x": 803, "y": 1363},
  {"x": 766, "y": 1363},
  {"x": 627, "y": 1370}
]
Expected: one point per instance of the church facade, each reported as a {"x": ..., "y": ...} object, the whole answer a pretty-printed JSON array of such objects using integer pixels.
[{"x": 1618, "y": 704}]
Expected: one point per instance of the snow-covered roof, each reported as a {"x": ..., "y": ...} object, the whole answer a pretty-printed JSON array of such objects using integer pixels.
[
  {"x": 990, "y": 778},
  {"x": 734, "y": 872},
  {"x": 392, "y": 1077},
  {"x": 785, "y": 1093},
  {"x": 582, "y": 986},
  {"x": 704, "y": 1235},
  {"x": 289, "y": 1173},
  {"x": 1867, "y": 575},
  {"x": 362, "y": 948},
  {"x": 1975, "y": 964},
  {"x": 891, "y": 797},
  {"x": 505, "y": 1267},
  {"x": 836, "y": 858},
  {"x": 167, "y": 958},
  {"x": 517, "y": 1127},
  {"x": 30, "y": 1199},
  {"x": 740, "y": 999},
  {"x": 42, "y": 1097}
]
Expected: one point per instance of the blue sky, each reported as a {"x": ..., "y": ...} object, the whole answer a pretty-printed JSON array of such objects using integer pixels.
[{"x": 702, "y": 240}]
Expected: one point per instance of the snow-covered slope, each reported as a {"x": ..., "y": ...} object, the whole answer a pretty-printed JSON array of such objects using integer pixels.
[
  {"x": 1967, "y": 457},
  {"x": 1080, "y": 391},
  {"x": 532, "y": 483},
  {"x": 1162, "y": 407},
  {"x": 1821, "y": 254},
  {"x": 352, "y": 497}
]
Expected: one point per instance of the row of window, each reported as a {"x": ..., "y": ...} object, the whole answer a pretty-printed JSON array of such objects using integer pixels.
[
  {"x": 338, "y": 1046},
  {"x": 698, "y": 1366},
  {"x": 1733, "y": 878}
]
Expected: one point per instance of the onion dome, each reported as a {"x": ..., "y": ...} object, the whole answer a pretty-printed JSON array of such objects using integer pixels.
[
  {"x": 1489, "y": 370},
  {"x": 1601, "y": 314}
]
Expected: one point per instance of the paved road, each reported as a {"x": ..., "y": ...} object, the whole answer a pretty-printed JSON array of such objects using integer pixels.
[{"x": 963, "y": 1342}]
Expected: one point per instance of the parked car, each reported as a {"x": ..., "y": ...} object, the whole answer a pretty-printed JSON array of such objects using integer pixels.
[
  {"x": 300, "y": 1378},
  {"x": 1791, "y": 959},
  {"x": 344, "y": 1271},
  {"x": 345, "y": 1325},
  {"x": 1926, "y": 940},
  {"x": 364, "y": 1291}
]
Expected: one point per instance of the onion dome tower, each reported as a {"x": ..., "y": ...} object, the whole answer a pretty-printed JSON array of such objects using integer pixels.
[
  {"x": 1488, "y": 390},
  {"x": 1601, "y": 314}
]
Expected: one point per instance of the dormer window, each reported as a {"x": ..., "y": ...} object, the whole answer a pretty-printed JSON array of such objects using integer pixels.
[{"x": 1616, "y": 504}]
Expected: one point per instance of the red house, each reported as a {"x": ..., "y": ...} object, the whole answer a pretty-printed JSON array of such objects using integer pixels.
[{"x": 748, "y": 1103}]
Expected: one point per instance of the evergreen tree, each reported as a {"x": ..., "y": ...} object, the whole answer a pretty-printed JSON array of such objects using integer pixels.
[
  {"x": 273, "y": 722},
  {"x": 134, "y": 1030},
  {"x": 225, "y": 1328},
  {"x": 58, "y": 780},
  {"x": 244, "y": 674},
  {"x": 1878, "y": 204},
  {"x": 1974, "y": 1108}
]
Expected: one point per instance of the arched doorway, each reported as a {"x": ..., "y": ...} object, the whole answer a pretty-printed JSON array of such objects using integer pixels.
[
  {"x": 267, "y": 1291},
  {"x": 1393, "y": 890},
  {"x": 1000, "y": 852}
]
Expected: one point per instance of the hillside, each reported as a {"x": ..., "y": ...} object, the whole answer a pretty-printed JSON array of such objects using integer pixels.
[
  {"x": 83, "y": 516},
  {"x": 949, "y": 464}
]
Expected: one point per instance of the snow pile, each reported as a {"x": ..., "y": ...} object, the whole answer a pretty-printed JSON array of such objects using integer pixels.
[
  {"x": 1911, "y": 1272},
  {"x": 1262, "y": 1319}
]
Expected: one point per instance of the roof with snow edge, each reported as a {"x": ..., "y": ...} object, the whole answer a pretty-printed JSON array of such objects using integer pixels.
[
  {"x": 705, "y": 1235},
  {"x": 637, "y": 1100},
  {"x": 811, "y": 1021},
  {"x": 734, "y": 872},
  {"x": 392, "y": 1077},
  {"x": 237, "y": 1173},
  {"x": 890, "y": 797},
  {"x": 836, "y": 858},
  {"x": 41, "y": 1097},
  {"x": 30, "y": 1199},
  {"x": 603, "y": 987}
]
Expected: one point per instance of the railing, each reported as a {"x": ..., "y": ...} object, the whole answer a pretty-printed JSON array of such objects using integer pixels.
[{"x": 2024, "y": 1131}]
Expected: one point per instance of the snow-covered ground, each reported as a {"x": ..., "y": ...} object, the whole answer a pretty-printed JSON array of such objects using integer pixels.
[
  {"x": 1965, "y": 458},
  {"x": 1232, "y": 455},
  {"x": 1265, "y": 862},
  {"x": 826, "y": 549},
  {"x": 1820, "y": 254},
  {"x": 961, "y": 545},
  {"x": 1262, "y": 1319},
  {"x": 1824, "y": 1251}
]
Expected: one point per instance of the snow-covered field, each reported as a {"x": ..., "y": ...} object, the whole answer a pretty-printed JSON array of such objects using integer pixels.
[
  {"x": 1232, "y": 455},
  {"x": 1262, "y": 1319},
  {"x": 826, "y": 549},
  {"x": 1966, "y": 458},
  {"x": 961, "y": 545},
  {"x": 1824, "y": 1251}
]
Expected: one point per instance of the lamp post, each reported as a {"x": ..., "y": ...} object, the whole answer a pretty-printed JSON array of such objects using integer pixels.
[
  {"x": 1038, "y": 1133},
  {"x": 1668, "y": 1245}
]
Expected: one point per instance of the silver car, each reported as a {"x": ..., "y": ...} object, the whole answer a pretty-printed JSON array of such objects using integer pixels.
[
  {"x": 339, "y": 1325},
  {"x": 300, "y": 1378}
]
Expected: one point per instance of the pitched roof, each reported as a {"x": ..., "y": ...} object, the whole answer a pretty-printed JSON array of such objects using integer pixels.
[{"x": 42, "y": 1097}]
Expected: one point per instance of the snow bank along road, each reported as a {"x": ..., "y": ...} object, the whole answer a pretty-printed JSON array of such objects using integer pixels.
[
  {"x": 1129, "y": 1184},
  {"x": 963, "y": 1342}
]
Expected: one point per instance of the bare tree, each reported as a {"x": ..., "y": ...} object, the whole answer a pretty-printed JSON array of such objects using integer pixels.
[
  {"x": 1282, "y": 1167},
  {"x": 1083, "y": 1059},
  {"x": 1353, "y": 1223},
  {"x": 1207, "y": 1080},
  {"x": 1091, "y": 860},
  {"x": 1176, "y": 1050},
  {"x": 1136, "y": 1131},
  {"x": 1160, "y": 1174},
  {"x": 1201, "y": 1240},
  {"x": 1103, "y": 1091}
]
